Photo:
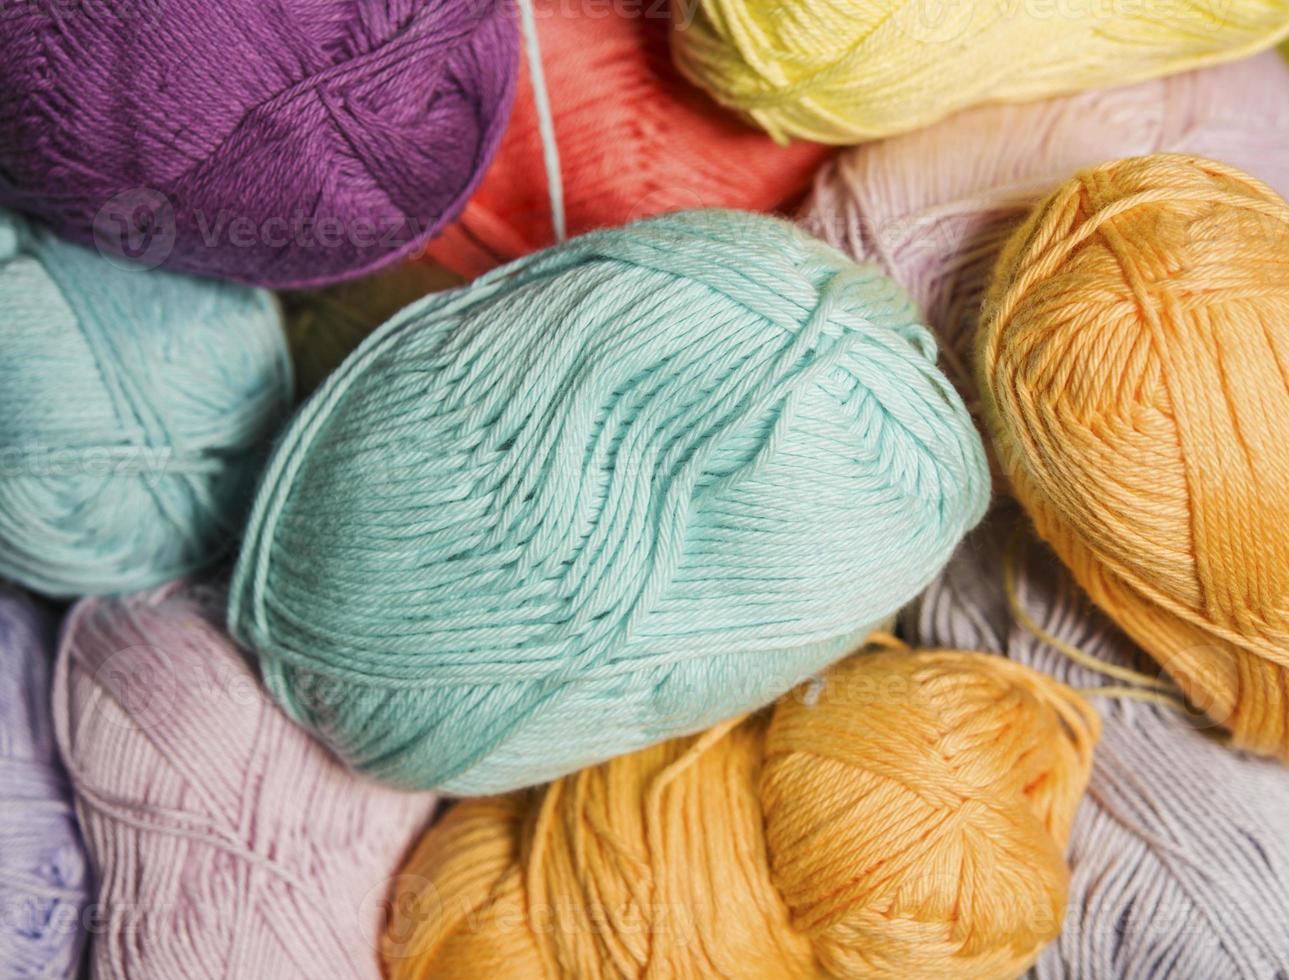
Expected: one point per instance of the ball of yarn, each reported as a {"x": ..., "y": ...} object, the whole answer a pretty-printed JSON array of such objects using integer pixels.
[
  {"x": 609, "y": 494},
  {"x": 1178, "y": 854},
  {"x": 134, "y": 413},
  {"x": 42, "y": 859},
  {"x": 905, "y": 817},
  {"x": 842, "y": 72},
  {"x": 289, "y": 144},
  {"x": 323, "y": 326},
  {"x": 1132, "y": 354},
  {"x": 226, "y": 842},
  {"x": 933, "y": 208},
  {"x": 635, "y": 140}
]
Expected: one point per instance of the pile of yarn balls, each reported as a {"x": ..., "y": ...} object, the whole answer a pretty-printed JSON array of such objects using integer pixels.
[{"x": 900, "y": 591}]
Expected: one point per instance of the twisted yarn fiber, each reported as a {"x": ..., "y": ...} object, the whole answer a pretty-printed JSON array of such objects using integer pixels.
[
  {"x": 905, "y": 818},
  {"x": 611, "y": 493},
  {"x": 934, "y": 208},
  {"x": 226, "y": 842},
  {"x": 654, "y": 145},
  {"x": 134, "y": 409},
  {"x": 1179, "y": 861},
  {"x": 842, "y": 72},
  {"x": 43, "y": 879},
  {"x": 286, "y": 144},
  {"x": 1132, "y": 358}
]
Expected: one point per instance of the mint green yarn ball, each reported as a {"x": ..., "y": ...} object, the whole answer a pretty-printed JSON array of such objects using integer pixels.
[
  {"x": 135, "y": 411},
  {"x": 609, "y": 494}
]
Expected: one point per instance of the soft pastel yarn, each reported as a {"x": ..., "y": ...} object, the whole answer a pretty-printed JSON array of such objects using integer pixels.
[
  {"x": 837, "y": 71},
  {"x": 933, "y": 208},
  {"x": 635, "y": 140},
  {"x": 1133, "y": 353},
  {"x": 903, "y": 817},
  {"x": 286, "y": 144},
  {"x": 1179, "y": 860},
  {"x": 225, "y": 842},
  {"x": 44, "y": 883},
  {"x": 135, "y": 409},
  {"x": 323, "y": 326},
  {"x": 612, "y": 493}
]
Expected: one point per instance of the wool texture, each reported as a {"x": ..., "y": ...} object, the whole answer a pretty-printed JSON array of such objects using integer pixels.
[
  {"x": 559, "y": 515},
  {"x": 225, "y": 842},
  {"x": 1179, "y": 861},
  {"x": 842, "y": 72},
  {"x": 288, "y": 144},
  {"x": 1133, "y": 352},
  {"x": 43, "y": 868},
  {"x": 902, "y": 817},
  {"x": 323, "y": 326},
  {"x": 653, "y": 145},
  {"x": 135, "y": 409},
  {"x": 934, "y": 208}
]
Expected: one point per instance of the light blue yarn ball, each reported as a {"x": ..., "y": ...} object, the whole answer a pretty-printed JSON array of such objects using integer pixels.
[
  {"x": 609, "y": 494},
  {"x": 135, "y": 408}
]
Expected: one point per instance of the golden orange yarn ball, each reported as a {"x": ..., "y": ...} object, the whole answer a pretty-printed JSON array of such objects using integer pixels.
[
  {"x": 903, "y": 817},
  {"x": 1134, "y": 361}
]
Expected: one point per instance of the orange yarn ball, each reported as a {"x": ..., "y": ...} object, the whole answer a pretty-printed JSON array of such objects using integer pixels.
[
  {"x": 635, "y": 139},
  {"x": 1134, "y": 362},
  {"x": 906, "y": 817}
]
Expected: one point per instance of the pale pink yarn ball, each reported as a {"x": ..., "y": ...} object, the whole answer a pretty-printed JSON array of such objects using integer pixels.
[
  {"x": 225, "y": 842},
  {"x": 932, "y": 208}
]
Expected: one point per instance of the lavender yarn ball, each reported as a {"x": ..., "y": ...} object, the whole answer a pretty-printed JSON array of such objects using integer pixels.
[
  {"x": 292, "y": 143},
  {"x": 44, "y": 882}
]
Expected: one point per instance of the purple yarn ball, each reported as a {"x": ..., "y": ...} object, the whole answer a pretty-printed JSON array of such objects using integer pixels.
[
  {"x": 44, "y": 873},
  {"x": 282, "y": 143}
]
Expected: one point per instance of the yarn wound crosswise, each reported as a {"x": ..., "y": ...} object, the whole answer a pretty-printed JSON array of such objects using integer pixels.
[
  {"x": 135, "y": 412},
  {"x": 1179, "y": 864},
  {"x": 288, "y": 144},
  {"x": 655, "y": 145},
  {"x": 840, "y": 72},
  {"x": 902, "y": 816},
  {"x": 578, "y": 570},
  {"x": 226, "y": 842},
  {"x": 573, "y": 524},
  {"x": 44, "y": 873},
  {"x": 1131, "y": 359},
  {"x": 933, "y": 208}
]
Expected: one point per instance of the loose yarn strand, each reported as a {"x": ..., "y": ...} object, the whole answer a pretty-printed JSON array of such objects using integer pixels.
[
  {"x": 1138, "y": 686},
  {"x": 545, "y": 120}
]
